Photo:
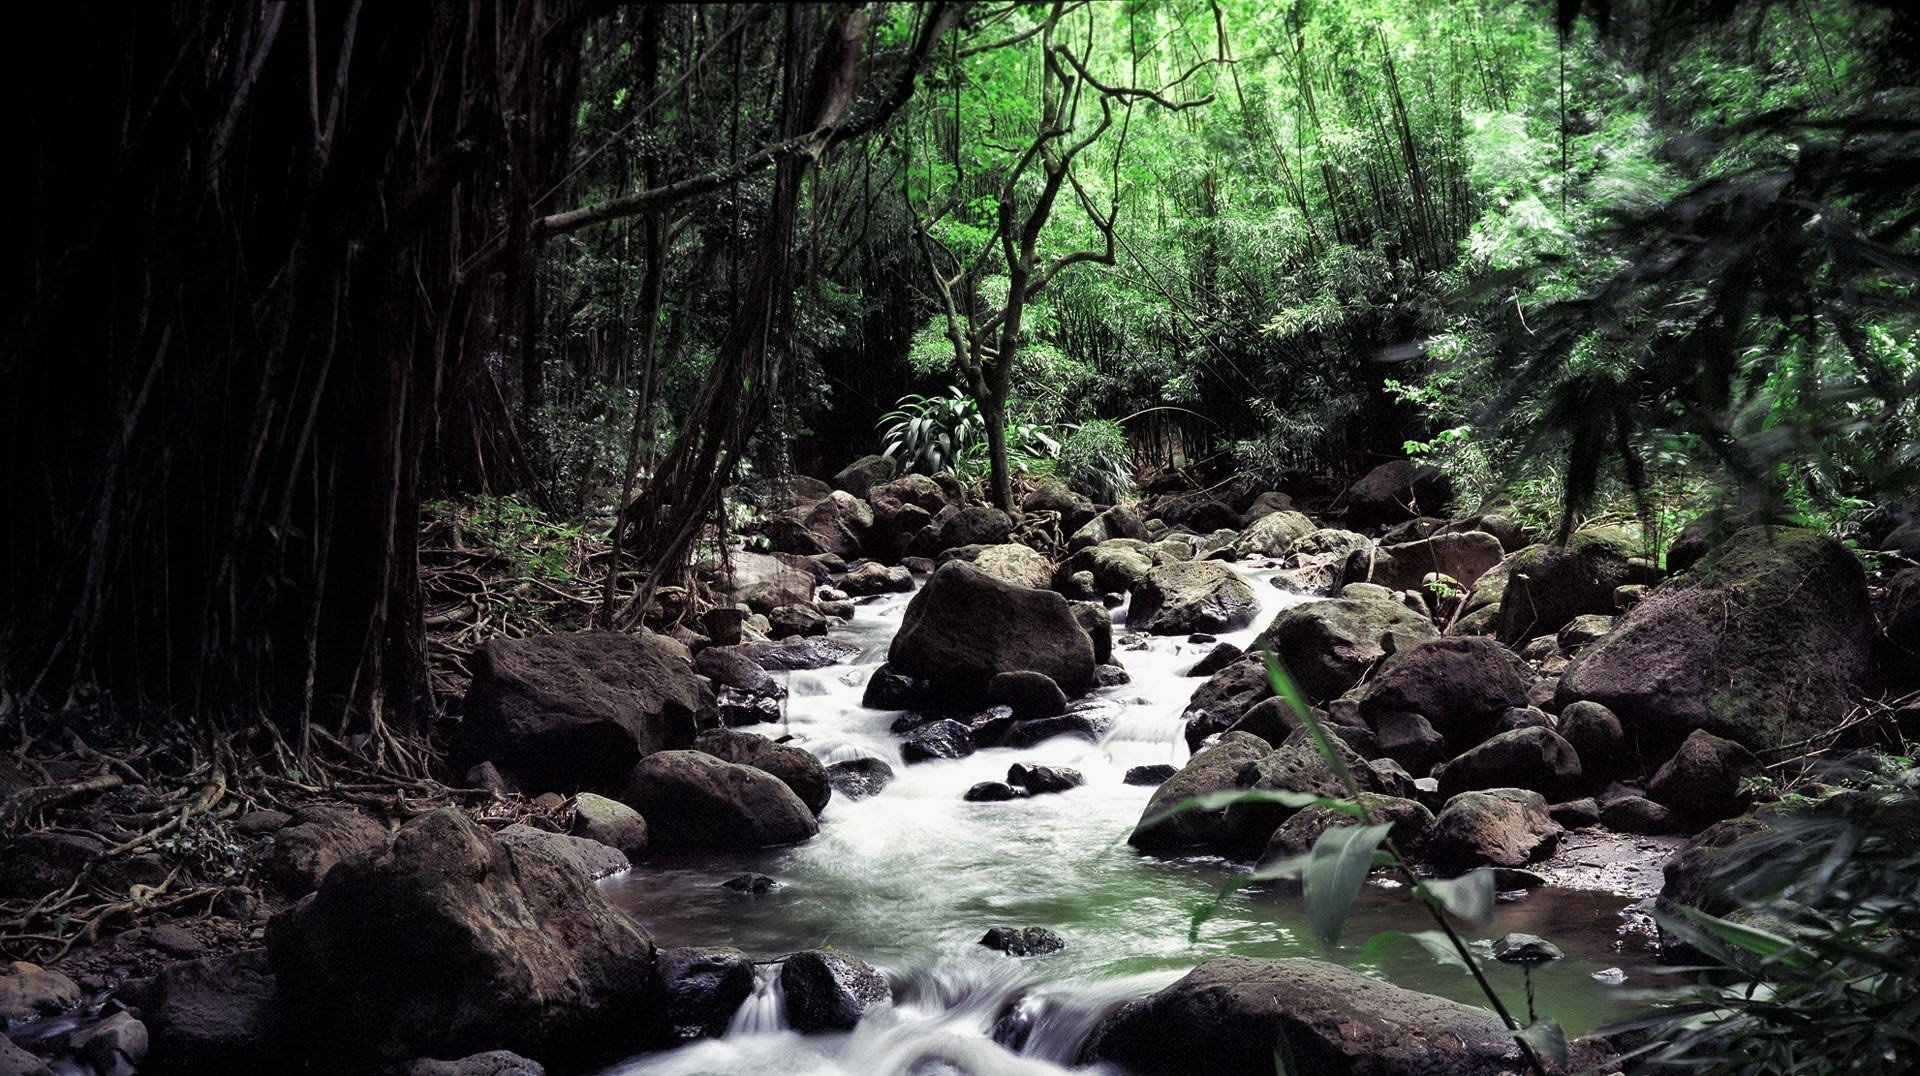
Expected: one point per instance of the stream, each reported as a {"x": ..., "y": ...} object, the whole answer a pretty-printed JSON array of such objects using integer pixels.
[{"x": 909, "y": 880}]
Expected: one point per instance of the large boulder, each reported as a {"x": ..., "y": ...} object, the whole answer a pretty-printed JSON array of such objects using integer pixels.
[
  {"x": 1215, "y": 769},
  {"x": 216, "y": 1014},
  {"x": 1297, "y": 835},
  {"x": 841, "y": 523},
  {"x": 611, "y": 823},
  {"x": 876, "y": 578},
  {"x": 452, "y": 943},
  {"x": 29, "y": 992},
  {"x": 965, "y": 626},
  {"x": 1397, "y": 490},
  {"x": 578, "y": 710},
  {"x": 1329, "y": 645},
  {"x": 1225, "y": 698},
  {"x": 1461, "y": 685},
  {"x": 695, "y": 802},
  {"x": 1702, "y": 782},
  {"x": 1497, "y": 827},
  {"x": 584, "y": 855},
  {"x": 1074, "y": 510},
  {"x": 318, "y": 839},
  {"x": 1119, "y": 521},
  {"x": 1296, "y": 765},
  {"x": 829, "y": 991},
  {"x": 862, "y": 475},
  {"x": 704, "y": 988},
  {"x": 1273, "y": 534},
  {"x": 1226, "y": 1017},
  {"x": 1116, "y": 564},
  {"x": 1195, "y": 596},
  {"x": 796, "y": 767},
  {"x": 762, "y": 581},
  {"x": 1767, "y": 642},
  {"x": 973, "y": 525},
  {"x": 1464, "y": 557},
  {"x": 1546, "y": 587},
  {"x": 1536, "y": 758},
  {"x": 1011, "y": 562}
]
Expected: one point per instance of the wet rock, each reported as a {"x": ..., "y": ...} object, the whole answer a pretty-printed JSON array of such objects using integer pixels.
[
  {"x": 1395, "y": 491},
  {"x": 216, "y": 1014},
  {"x": 1154, "y": 775},
  {"x": 798, "y": 620},
  {"x": 1583, "y": 630},
  {"x": 965, "y": 627},
  {"x": 1273, "y": 534},
  {"x": 733, "y": 666},
  {"x": 972, "y": 525},
  {"x": 704, "y": 988},
  {"x": 1028, "y": 694},
  {"x": 1636, "y": 814},
  {"x": 864, "y": 474},
  {"x": 1221, "y": 656},
  {"x": 1461, "y": 685},
  {"x": 761, "y": 581},
  {"x": 113, "y": 1047},
  {"x": 609, "y": 822},
  {"x": 1040, "y": 780},
  {"x": 17, "y": 1062},
  {"x": 945, "y": 738},
  {"x": 1225, "y": 696},
  {"x": 319, "y": 839},
  {"x": 1498, "y": 827},
  {"x": 1329, "y": 645},
  {"x": 814, "y": 653},
  {"x": 1768, "y": 641},
  {"x": 991, "y": 792},
  {"x": 1296, "y": 765},
  {"x": 1549, "y": 587},
  {"x": 578, "y": 710},
  {"x": 1463, "y": 557},
  {"x": 858, "y": 778},
  {"x": 1410, "y": 740},
  {"x": 1596, "y": 737},
  {"x": 1525, "y": 950},
  {"x": 828, "y": 991},
  {"x": 1536, "y": 758},
  {"x": 693, "y": 801},
  {"x": 1011, "y": 562},
  {"x": 29, "y": 991},
  {"x": 1116, "y": 522},
  {"x": 1115, "y": 565},
  {"x": 476, "y": 944},
  {"x": 1200, "y": 513},
  {"x": 890, "y": 689},
  {"x": 1296, "y": 836},
  {"x": 1702, "y": 782},
  {"x": 1576, "y": 814},
  {"x": 1094, "y": 619},
  {"x": 875, "y": 578},
  {"x": 1225, "y": 1016},
  {"x": 749, "y": 883},
  {"x": 1087, "y": 727},
  {"x": 841, "y": 521},
  {"x": 796, "y": 767},
  {"x": 591, "y": 859},
  {"x": 1212, "y": 770},
  {"x": 491, "y": 1063},
  {"x": 1023, "y": 941},
  {"x": 1176, "y": 599},
  {"x": 1074, "y": 510}
]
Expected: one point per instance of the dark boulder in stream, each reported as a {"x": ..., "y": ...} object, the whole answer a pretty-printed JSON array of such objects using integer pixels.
[
  {"x": 1215, "y": 769},
  {"x": 1028, "y": 694},
  {"x": 1023, "y": 941},
  {"x": 491, "y": 1063},
  {"x": 454, "y": 942},
  {"x": 945, "y": 738},
  {"x": 1181, "y": 598},
  {"x": 829, "y": 991},
  {"x": 317, "y": 840},
  {"x": 704, "y": 988},
  {"x": 694, "y": 802},
  {"x": 578, "y": 710},
  {"x": 1397, "y": 490},
  {"x": 1461, "y": 685},
  {"x": 1224, "y": 1018},
  {"x": 1329, "y": 645},
  {"x": 965, "y": 627},
  {"x": 858, "y": 778},
  {"x": 1498, "y": 827},
  {"x": 1535, "y": 757},
  {"x": 797, "y": 768}
]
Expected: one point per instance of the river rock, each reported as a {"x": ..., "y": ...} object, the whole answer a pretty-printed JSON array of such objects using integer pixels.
[
  {"x": 1212, "y": 770},
  {"x": 217, "y": 1014},
  {"x": 1461, "y": 685},
  {"x": 875, "y": 578},
  {"x": 761, "y": 581},
  {"x": 454, "y": 942},
  {"x": 1537, "y": 758},
  {"x": 1011, "y": 562},
  {"x": 1086, "y": 726},
  {"x": 1224, "y": 698},
  {"x": 841, "y": 521},
  {"x": 864, "y": 474},
  {"x": 734, "y": 666},
  {"x": 695, "y": 802},
  {"x": 1397, "y": 490},
  {"x": 991, "y": 792},
  {"x": 591, "y": 859},
  {"x": 1023, "y": 941},
  {"x": 1768, "y": 641},
  {"x": 1296, "y": 836},
  {"x": 1548, "y": 587},
  {"x": 1329, "y": 645},
  {"x": 1582, "y": 813},
  {"x": 1596, "y": 737},
  {"x": 829, "y": 991},
  {"x": 578, "y": 710},
  {"x": 1296, "y": 765},
  {"x": 1221, "y": 656},
  {"x": 1273, "y": 534},
  {"x": 704, "y": 988},
  {"x": 609, "y": 822},
  {"x": 1151, "y": 776},
  {"x": 1119, "y": 521},
  {"x": 1116, "y": 565},
  {"x": 817, "y": 652},
  {"x": 1074, "y": 510},
  {"x": 945, "y": 738},
  {"x": 796, "y": 767},
  {"x": 491, "y": 1063},
  {"x": 964, "y": 627},
  {"x": 858, "y": 778},
  {"x": 1040, "y": 780},
  {"x": 17, "y": 1062},
  {"x": 1496, "y": 827},
  {"x": 1028, "y": 694},
  {"x": 318, "y": 839},
  {"x": 1701, "y": 783},
  {"x": 972, "y": 525},
  {"x": 1179, "y": 599},
  {"x": 799, "y": 620},
  {"x": 1463, "y": 557},
  {"x": 29, "y": 991},
  {"x": 1409, "y": 739},
  {"x": 1225, "y": 1016},
  {"x": 1094, "y": 619},
  {"x": 1636, "y": 814}
]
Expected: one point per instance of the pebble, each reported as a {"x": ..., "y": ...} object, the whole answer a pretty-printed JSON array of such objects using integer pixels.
[
  {"x": 1610, "y": 976},
  {"x": 749, "y": 883}
]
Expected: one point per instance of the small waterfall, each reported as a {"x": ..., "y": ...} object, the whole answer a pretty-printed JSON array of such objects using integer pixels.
[{"x": 765, "y": 1010}]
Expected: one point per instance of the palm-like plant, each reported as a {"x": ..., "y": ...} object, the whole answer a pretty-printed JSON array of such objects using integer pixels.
[{"x": 930, "y": 434}]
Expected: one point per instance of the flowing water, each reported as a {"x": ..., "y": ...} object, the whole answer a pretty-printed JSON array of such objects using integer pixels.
[{"x": 911, "y": 878}]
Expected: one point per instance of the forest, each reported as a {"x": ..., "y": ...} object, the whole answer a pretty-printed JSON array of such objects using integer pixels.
[{"x": 975, "y": 538}]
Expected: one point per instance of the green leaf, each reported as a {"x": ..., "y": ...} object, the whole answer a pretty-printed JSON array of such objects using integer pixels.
[
  {"x": 1213, "y": 801},
  {"x": 1469, "y": 897},
  {"x": 1284, "y": 687},
  {"x": 1436, "y": 943},
  {"x": 1336, "y": 869},
  {"x": 1761, "y": 943},
  {"x": 1547, "y": 1038}
]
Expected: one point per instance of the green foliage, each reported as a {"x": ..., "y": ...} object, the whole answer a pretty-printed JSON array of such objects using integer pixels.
[
  {"x": 532, "y": 545},
  {"x": 946, "y": 434},
  {"x": 1096, "y": 460}
]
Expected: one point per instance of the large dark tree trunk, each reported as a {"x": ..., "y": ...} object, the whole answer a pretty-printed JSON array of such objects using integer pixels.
[{"x": 257, "y": 298}]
